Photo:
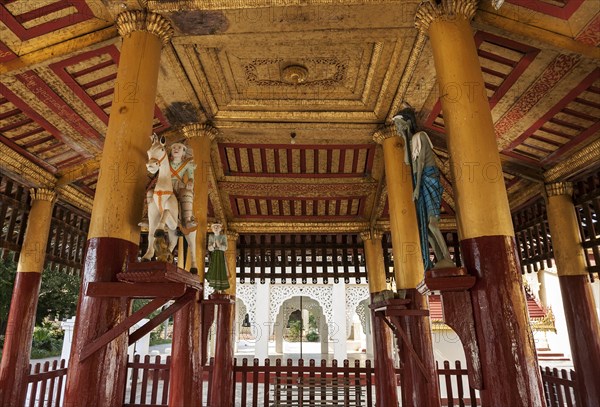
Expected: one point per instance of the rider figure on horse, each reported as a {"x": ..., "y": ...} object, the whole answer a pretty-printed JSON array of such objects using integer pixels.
[{"x": 182, "y": 175}]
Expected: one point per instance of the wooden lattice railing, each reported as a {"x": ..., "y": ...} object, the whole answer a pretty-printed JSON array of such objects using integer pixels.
[
  {"x": 256, "y": 383},
  {"x": 46, "y": 384}
]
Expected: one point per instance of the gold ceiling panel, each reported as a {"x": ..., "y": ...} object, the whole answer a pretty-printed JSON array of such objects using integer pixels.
[{"x": 334, "y": 76}]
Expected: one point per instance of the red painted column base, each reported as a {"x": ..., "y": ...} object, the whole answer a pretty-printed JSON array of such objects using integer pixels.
[
  {"x": 510, "y": 372},
  {"x": 17, "y": 346},
  {"x": 418, "y": 390},
  {"x": 221, "y": 392},
  {"x": 99, "y": 380},
  {"x": 584, "y": 331},
  {"x": 386, "y": 389}
]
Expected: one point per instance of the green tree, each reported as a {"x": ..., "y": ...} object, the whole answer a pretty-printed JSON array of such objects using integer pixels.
[
  {"x": 58, "y": 295},
  {"x": 8, "y": 270}
]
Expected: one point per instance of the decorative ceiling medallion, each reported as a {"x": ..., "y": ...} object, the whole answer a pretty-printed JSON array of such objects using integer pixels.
[
  {"x": 294, "y": 74},
  {"x": 326, "y": 72}
]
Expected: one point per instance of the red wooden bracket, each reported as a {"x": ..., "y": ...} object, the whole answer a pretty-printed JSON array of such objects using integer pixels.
[
  {"x": 454, "y": 285},
  {"x": 139, "y": 333},
  {"x": 121, "y": 327},
  {"x": 391, "y": 311},
  {"x": 135, "y": 290}
]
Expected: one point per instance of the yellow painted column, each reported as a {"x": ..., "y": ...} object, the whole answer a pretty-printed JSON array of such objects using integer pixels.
[
  {"x": 578, "y": 300},
  {"x": 507, "y": 352},
  {"x": 14, "y": 367},
  {"x": 406, "y": 247},
  {"x": 564, "y": 229},
  {"x": 386, "y": 388},
  {"x": 231, "y": 259},
  {"x": 199, "y": 138},
  {"x": 480, "y": 193},
  {"x": 120, "y": 192},
  {"x": 114, "y": 234},
  {"x": 374, "y": 260}
]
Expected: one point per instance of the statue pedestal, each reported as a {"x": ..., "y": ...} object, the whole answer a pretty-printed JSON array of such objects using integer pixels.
[{"x": 454, "y": 284}]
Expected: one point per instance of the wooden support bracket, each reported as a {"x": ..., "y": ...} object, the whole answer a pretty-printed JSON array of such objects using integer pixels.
[
  {"x": 391, "y": 311},
  {"x": 161, "y": 281},
  {"x": 121, "y": 327},
  {"x": 139, "y": 333},
  {"x": 454, "y": 285}
]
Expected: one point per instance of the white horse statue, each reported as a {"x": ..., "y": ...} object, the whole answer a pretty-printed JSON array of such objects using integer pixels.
[{"x": 163, "y": 209}]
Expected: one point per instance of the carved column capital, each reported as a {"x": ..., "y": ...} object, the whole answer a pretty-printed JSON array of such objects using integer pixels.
[
  {"x": 384, "y": 133},
  {"x": 192, "y": 130},
  {"x": 232, "y": 235},
  {"x": 429, "y": 11},
  {"x": 559, "y": 188},
  {"x": 42, "y": 194},
  {"x": 144, "y": 20},
  {"x": 371, "y": 234}
]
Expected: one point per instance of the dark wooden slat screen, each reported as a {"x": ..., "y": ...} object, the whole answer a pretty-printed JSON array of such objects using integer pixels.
[
  {"x": 14, "y": 208},
  {"x": 300, "y": 258},
  {"x": 586, "y": 197},
  {"x": 68, "y": 229},
  {"x": 532, "y": 234}
]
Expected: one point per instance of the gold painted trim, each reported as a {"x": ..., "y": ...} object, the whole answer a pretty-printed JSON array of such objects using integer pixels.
[
  {"x": 19, "y": 165},
  {"x": 232, "y": 234},
  {"x": 428, "y": 11},
  {"x": 188, "y": 5},
  {"x": 371, "y": 234},
  {"x": 559, "y": 188},
  {"x": 77, "y": 198},
  {"x": 42, "y": 194},
  {"x": 407, "y": 75},
  {"x": 298, "y": 227},
  {"x": 578, "y": 161},
  {"x": 143, "y": 20},
  {"x": 192, "y": 130},
  {"x": 523, "y": 195},
  {"x": 385, "y": 133}
]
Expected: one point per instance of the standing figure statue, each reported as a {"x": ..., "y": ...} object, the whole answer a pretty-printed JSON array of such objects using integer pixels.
[
  {"x": 163, "y": 206},
  {"x": 217, "y": 275},
  {"x": 428, "y": 189}
]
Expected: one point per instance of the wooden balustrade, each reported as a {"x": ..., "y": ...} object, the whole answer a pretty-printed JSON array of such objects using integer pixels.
[
  {"x": 45, "y": 384},
  {"x": 559, "y": 387},
  {"x": 265, "y": 384}
]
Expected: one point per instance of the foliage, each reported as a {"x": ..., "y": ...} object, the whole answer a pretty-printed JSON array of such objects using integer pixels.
[
  {"x": 156, "y": 336},
  {"x": 312, "y": 322},
  {"x": 47, "y": 340},
  {"x": 8, "y": 270},
  {"x": 58, "y": 295},
  {"x": 294, "y": 332},
  {"x": 312, "y": 336}
]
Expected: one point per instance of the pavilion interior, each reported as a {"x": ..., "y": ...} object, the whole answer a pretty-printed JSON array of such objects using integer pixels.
[{"x": 296, "y": 90}]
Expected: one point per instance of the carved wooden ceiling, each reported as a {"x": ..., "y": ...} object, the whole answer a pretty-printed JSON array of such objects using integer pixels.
[{"x": 329, "y": 73}]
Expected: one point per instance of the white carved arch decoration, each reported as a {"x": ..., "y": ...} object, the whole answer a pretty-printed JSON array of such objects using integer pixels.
[
  {"x": 354, "y": 295},
  {"x": 241, "y": 311},
  {"x": 247, "y": 294},
  {"x": 363, "y": 313},
  {"x": 293, "y": 304},
  {"x": 323, "y": 294}
]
